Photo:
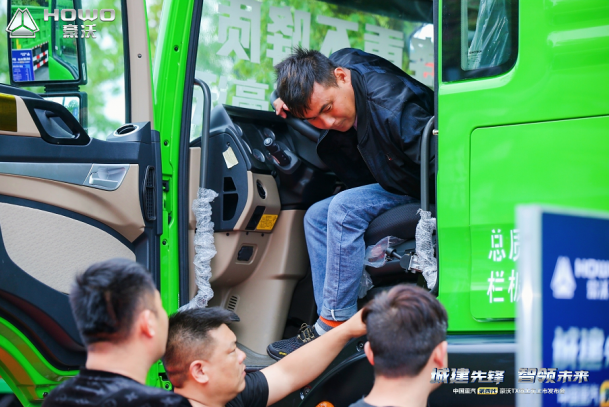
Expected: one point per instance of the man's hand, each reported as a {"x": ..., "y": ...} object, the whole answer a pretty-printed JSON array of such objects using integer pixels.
[
  {"x": 280, "y": 108},
  {"x": 354, "y": 326},
  {"x": 304, "y": 365}
]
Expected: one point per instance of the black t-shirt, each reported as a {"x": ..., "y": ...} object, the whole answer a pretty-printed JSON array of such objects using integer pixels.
[
  {"x": 92, "y": 388},
  {"x": 361, "y": 403},
  {"x": 255, "y": 394}
]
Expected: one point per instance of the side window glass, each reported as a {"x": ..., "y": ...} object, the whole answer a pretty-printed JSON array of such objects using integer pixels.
[
  {"x": 479, "y": 38},
  {"x": 240, "y": 42},
  {"x": 99, "y": 104}
]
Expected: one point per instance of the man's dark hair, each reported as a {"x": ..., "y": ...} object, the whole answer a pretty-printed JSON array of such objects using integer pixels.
[
  {"x": 404, "y": 326},
  {"x": 297, "y": 74},
  {"x": 189, "y": 339},
  {"x": 106, "y": 297}
]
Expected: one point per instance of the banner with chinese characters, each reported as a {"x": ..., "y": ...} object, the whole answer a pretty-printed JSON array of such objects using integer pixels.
[
  {"x": 241, "y": 40},
  {"x": 563, "y": 315}
]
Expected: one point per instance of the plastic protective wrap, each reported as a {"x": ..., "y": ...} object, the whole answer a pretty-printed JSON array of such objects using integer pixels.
[
  {"x": 424, "y": 248},
  {"x": 376, "y": 256},
  {"x": 491, "y": 43},
  {"x": 205, "y": 249},
  {"x": 365, "y": 284}
]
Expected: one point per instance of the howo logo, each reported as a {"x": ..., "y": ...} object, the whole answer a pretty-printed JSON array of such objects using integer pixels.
[
  {"x": 594, "y": 271},
  {"x": 22, "y": 25},
  {"x": 563, "y": 283}
]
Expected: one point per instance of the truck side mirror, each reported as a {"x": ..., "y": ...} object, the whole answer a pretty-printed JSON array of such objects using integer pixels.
[{"x": 46, "y": 42}]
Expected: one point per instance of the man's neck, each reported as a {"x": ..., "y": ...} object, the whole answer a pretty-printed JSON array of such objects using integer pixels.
[
  {"x": 198, "y": 398},
  {"x": 129, "y": 360},
  {"x": 399, "y": 392}
]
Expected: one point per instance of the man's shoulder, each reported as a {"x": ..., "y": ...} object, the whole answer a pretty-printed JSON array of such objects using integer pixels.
[
  {"x": 352, "y": 56},
  {"x": 255, "y": 394},
  {"x": 110, "y": 390},
  {"x": 361, "y": 403}
]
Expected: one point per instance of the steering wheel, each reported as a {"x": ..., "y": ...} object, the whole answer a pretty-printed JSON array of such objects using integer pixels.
[{"x": 301, "y": 126}]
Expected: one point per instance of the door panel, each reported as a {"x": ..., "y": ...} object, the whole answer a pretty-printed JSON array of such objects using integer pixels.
[
  {"x": 118, "y": 209},
  {"x": 63, "y": 206},
  {"x": 64, "y": 246}
]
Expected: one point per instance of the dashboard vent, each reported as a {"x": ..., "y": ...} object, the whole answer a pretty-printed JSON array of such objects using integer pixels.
[{"x": 231, "y": 305}]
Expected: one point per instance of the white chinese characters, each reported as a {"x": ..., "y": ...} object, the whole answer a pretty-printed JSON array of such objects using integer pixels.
[
  {"x": 580, "y": 348},
  {"x": 497, "y": 253},
  {"x": 239, "y": 29},
  {"x": 287, "y": 31},
  {"x": 251, "y": 94},
  {"x": 385, "y": 43},
  {"x": 338, "y": 38},
  {"x": 498, "y": 286}
]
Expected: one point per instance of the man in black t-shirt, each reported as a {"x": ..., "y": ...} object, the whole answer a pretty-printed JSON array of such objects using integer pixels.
[
  {"x": 204, "y": 364},
  {"x": 406, "y": 342},
  {"x": 120, "y": 318}
]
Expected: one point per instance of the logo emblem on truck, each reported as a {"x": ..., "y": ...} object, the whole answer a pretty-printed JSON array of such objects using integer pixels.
[{"x": 22, "y": 25}]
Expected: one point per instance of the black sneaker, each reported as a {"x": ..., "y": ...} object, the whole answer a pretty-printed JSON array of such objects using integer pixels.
[{"x": 277, "y": 350}]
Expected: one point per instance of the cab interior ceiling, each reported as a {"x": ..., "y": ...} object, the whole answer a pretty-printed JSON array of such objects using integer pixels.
[{"x": 411, "y": 10}]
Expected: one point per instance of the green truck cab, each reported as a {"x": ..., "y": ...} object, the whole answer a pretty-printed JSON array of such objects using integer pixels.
[{"x": 105, "y": 162}]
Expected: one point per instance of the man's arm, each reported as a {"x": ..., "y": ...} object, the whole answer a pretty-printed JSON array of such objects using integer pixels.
[{"x": 302, "y": 366}]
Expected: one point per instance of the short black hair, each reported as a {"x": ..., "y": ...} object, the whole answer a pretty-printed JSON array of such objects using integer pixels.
[
  {"x": 105, "y": 299},
  {"x": 404, "y": 326},
  {"x": 189, "y": 339},
  {"x": 297, "y": 74}
]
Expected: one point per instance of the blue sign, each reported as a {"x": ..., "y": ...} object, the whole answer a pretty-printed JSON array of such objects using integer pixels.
[
  {"x": 23, "y": 65},
  {"x": 564, "y": 309}
]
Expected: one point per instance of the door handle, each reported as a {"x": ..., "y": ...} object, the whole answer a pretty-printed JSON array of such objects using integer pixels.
[
  {"x": 100, "y": 182},
  {"x": 107, "y": 176}
]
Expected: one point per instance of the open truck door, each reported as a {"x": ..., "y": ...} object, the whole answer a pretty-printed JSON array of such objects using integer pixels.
[{"x": 80, "y": 176}]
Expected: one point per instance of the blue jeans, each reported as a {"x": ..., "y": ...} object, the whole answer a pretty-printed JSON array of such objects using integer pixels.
[{"x": 334, "y": 229}]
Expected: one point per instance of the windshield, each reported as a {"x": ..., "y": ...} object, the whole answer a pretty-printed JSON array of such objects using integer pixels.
[{"x": 241, "y": 40}]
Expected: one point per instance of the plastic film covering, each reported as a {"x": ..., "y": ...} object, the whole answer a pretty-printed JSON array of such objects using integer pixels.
[
  {"x": 491, "y": 43},
  {"x": 424, "y": 248},
  {"x": 376, "y": 255},
  {"x": 365, "y": 284},
  {"x": 205, "y": 249}
]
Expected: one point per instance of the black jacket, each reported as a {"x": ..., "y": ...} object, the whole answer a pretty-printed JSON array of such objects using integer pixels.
[{"x": 392, "y": 110}]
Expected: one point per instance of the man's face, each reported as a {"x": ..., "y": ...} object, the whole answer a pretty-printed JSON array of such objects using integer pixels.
[
  {"x": 333, "y": 108},
  {"x": 225, "y": 368}
]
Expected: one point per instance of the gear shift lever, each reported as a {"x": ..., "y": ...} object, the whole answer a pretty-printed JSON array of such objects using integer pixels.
[{"x": 281, "y": 158}]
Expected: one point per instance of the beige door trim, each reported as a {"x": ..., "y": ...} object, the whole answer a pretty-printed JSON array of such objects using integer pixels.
[
  {"x": 54, "y": 248},
  {"x": 139, "y": 63},
  {"x": 25, "y": 124},
  {"x": 119, "y": 209}
]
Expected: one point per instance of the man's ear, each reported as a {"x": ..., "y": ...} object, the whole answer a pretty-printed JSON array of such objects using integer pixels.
[
  {"x": 341, "y": 75},
  {"x": 197, "y": 372},
  {"x": 439, "y": 355},
  {"x": 369, "y": 354},
  {"x": 147, "y": 323}
]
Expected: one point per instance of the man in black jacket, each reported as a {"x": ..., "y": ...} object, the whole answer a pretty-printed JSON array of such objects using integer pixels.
[{"x": 375, "y": 115}]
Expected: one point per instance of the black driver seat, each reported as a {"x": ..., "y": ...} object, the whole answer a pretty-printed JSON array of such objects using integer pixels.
[{"x": 400, "y": 221}]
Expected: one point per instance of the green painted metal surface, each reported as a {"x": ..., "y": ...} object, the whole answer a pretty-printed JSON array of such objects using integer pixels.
[
  {"x": 168, "y": 86},
  {"x": 533, "y": 134},
  {"x": 24, "y": 369},
  {"x": 4, "y": 387}
]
